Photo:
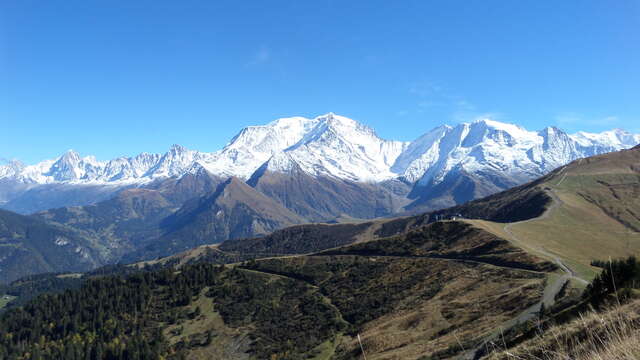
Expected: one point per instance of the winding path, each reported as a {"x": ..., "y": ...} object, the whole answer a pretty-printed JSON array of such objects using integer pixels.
[
  {"x": 551, "y": 290},
  {"x": 570, "y": 274}
]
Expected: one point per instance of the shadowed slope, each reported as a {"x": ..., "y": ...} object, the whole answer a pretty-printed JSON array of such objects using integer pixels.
[
  {"x": 234, "y": 210},
  {"x": 29, "y": 245}
]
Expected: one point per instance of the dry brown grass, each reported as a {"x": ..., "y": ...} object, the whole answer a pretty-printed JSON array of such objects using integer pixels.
[
  {"x": 473, "y": 302},
  {"x": 612, "y": 334},
  {"x": 577, "y": 231}
]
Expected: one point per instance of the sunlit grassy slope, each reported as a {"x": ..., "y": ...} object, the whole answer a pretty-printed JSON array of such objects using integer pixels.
[
  {"x": 595, "y": 213},
  {"x": 611, "y": 334}
]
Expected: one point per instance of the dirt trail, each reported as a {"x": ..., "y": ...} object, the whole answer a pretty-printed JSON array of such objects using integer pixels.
[
  {"x": 551, "y": 290},
  {"x": 556, "y": 201},
  {"x": 564, "y": 172}
]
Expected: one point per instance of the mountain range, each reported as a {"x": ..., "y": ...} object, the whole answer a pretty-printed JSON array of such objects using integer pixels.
[
  {"x": 446, "y": 166},
  {"x": 290, "y": 171}
]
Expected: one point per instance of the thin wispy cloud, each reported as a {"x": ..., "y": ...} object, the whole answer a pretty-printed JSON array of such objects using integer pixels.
[
  {"x": 571, "y": 119},
  {"x": 435, "y": 98},
  {"x": 262, "y": 56},
  {"x": 425, "y": 89},
  {"x": 430, "y": 96},
  {"x": 470, "y": 116}
]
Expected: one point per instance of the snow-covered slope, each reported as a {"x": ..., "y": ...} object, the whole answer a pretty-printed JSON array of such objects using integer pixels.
[
  {"x": 336, "y": 146},
  {"x": 340, "y": 147},
  {"x": 606, "y": 141},
  {"x": 254, "y": 145},
  {"x": 491, "y": 146}
]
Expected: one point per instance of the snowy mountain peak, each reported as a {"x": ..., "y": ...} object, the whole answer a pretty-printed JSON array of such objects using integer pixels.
[
  {"x": 70, "y": 155},
  {"x": 341, "y": 147},
  {"x": 11, "y": 168},
  {"x": 611, "y": 138},
  {"x": 488, "y": 129},
  {"x": 345, "y": 125},
  {"x": 67, "y": 167},
  {"x": 549, "y": 131},
  {"x": 420, "y": 154},
  {"x": 498, "y": 125},
  {"x": 177, "y": 149}
]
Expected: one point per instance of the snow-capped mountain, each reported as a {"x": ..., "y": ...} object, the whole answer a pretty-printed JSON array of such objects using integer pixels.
[
  {"x": 254, "y": 145},
  {"x": 327, "y": 145},
  {"x": 340, "y": 147},
  {"x": 337, "y": 147},
  {"x": 487, "y": 145}
]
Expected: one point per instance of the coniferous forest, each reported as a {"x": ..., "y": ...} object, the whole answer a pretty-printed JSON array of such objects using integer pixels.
[{"x": 114, "y": 317}]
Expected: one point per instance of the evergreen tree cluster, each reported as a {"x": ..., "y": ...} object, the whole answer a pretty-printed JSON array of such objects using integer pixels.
[
  {"x": 616, "y": 276},
  {"x": 111, "y": 317}
]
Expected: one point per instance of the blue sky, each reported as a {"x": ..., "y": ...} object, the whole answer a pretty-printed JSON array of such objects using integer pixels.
[{"x": 116, "y": 77}]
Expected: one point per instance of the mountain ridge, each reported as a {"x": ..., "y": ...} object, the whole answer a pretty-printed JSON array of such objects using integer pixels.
[{"x": 446, "y": 166}]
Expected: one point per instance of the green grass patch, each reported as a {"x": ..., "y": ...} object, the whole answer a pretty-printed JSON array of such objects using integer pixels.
[
  {"x": 326, "y": 350},
  {"x": 5, "y": 299}
]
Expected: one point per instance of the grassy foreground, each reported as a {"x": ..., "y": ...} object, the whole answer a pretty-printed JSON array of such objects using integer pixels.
[{"x": 612, "y": 334}]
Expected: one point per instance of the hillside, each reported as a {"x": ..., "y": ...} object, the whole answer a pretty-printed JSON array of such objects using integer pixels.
[
  {"x": 293, "y": 240},
  {"x": 324, "y": 198},
  {"x": 29, "y": 245},
  {"x": 607, "y": 328},
  {"x": 404, "y": 303},
  {"x": 132, "y": 218},
  {"x": 235, "y": 210},
  {"x": 593, "y": 212}
]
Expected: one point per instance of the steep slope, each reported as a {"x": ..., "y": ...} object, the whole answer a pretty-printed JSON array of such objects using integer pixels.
[
  {"x": 133, "y": 217},
  {"x": 122, "y": 224},
  {"x": 322, "y": 198},
  {"x": 234, "y": 210},
  {"x": 254, "y": 145},
  {"x": 473, "y": 160},
  {"x": 585, "y": 211},
  {"x": 596, "y": 200},
  {"x": 28, "y": 199},
  {"x": 180, "y": 189},
  {"x": 341, "y": 147},
  {"x": 580, "y": 212},
  {"x": 29, "y": 246},
  {"x": 610, "y": 334}
]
